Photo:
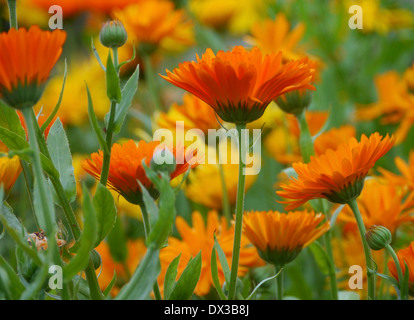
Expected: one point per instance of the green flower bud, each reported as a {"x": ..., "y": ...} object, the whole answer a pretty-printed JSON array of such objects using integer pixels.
[
  {"x": 113, "y": 34},
  {"x": 378, "y": 237},
  {"x": 96, "y": 259},
  {"x": 295, "y": 102},
  {"x": 163, "y": 161}
]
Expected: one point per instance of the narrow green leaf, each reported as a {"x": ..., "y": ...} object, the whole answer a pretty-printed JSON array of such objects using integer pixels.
[
  {"x": 110, "y": 285},
  {"x": 94, "y": 122},
  {"x": 113, "y": 87},
  {"x": 14, "y": 285},
  {"x": 87, "y": 240},
  {"x": 321, "y": 257},
  {"x": 128, "y": 93},
  {"x": 143, "y": 279},
  {"x": 105, "y": 210},
  {"x": 59, "y": 150},
  {"x": 223, "y": 260},
  {"x": 262, "y": 282},
  {"x": 170, "y": 276},
  {"x": 117, "y": 242},
  {"x": 184, "y": 288},
  {"x": 214, "y": 275}
]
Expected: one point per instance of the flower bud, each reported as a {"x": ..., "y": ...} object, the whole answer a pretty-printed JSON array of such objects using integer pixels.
[
  {"x": 163, "y": 161},
  {"x": 113, "y": 34},
  {"x": 295, "y": 102},
  {"x": 378, "y": 237}
]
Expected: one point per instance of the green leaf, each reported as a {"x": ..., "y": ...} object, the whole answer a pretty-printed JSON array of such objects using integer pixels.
[
  {"x": 321, "y": 257},
  {"x": 170, "y": 276},
  {"x": 13, "y": 284},
  {"x": 143, "y": 279},
  {"x": 117, "y": 242},
  {"x": 87, "y": 240},
  {"x": 128, "y": 93},
  {"x": 113, "y": 87},
  {"x": 405, "y": 284},
  {"x": 214, "y": 275},
  {"x": 58, "y": 146},
  {"x": 223, "y": 260},
  {"x": 105, "y": 210},
  {"x": 110, "y": 285},
  {"x": 10, "y": 120},
  {"x": 262, "y": 282},
  {"x": 94, "y": 122},
  {"x": 184, "y": 288}
]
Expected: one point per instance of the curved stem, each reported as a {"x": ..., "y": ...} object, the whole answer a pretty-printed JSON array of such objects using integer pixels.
[
  {"x": 13, "y": 14},
  {"x": 239, "y": 215},
  {"x": 367, "y": 251},
  {"x": 393, "y": 255},
  {"x": 279, "y": 284}
]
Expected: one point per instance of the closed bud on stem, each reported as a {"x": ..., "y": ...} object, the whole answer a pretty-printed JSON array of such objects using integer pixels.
[
  {"x": 113, "y": 34},
  {"x": 378, "y": 237},
  {"x": 295, "y": 102},
  {"x": 163, "y": 161}
]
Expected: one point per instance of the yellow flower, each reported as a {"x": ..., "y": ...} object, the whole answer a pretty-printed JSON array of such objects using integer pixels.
[
  {"x": 157, "y": 23},
  {"x": 74, "y": 108},
  {"x": 380, "y": 20},
  {"x": 10, "y": 169},
  {"x": 279, "y": 237},
  {"x": 204, "y": 182},
  {"x": 235, "y": 15},
  {"x": 200, "y": 237}
]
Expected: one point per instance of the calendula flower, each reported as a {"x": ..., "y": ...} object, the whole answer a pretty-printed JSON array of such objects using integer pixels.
[
  {"x": 406, "y": 177},
  {"x": 237, "y": 16},
  {"x": 200, "y": 237},
  {"x": 126, "y": 170},
  {"x": 159, "y": 25},
  {"x": 240, "y": 84},
  {"x": 194, "y": 114},
  {"x": 136, "y": 251},
  {"x": 394, "y": 106},
  {"x": 405, "y": 256},
  {"x": 332, "y": 138},
  {"x": 279, "y": 237},
  {"x": 336, "y": 175},
  {"x": 26, "y": 59},
  {"x": 381, "y": 20},
  {"x": 381, "y": 203},
  {"x": 10, "y": 169}
]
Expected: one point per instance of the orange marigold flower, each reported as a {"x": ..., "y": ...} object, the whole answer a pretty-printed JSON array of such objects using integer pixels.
[
  {"x": 406, "y": 179},
  {"x": 336, "y": 175},
  {"x": 126, "y": 168},
  {"x": 332, "y": 138},
  {"x": 194, "y": 113},
  {"x": 405, "y": 256},
  {"x": 26, "y": 59},
  {"x": 381, "y": 203},
  {"x": 200, "y": 237},
  {"x": 238, "y": 84},
  {"x": 279, "y": 237},
  {"x": 10, "y": 169},
  {"x": 159, "y": 24}
]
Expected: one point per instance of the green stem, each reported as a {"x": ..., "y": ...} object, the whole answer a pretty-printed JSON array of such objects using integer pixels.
[
  {"x": 279, "y": 284},
  {"x": 12, "y": 14},
  {"x": 367, "y": 251},
  {"x": 332, "y": 273},
  {"x": 107, "y": 153},
  {"x": 305, "y": 140},
  {"x": 239, "y": 216},
  {"x": 384, "y": 282},
  {"x": 151, "y": 82},
  {"x": 393, "y": 255},
  {"x": 147, "y": 229}
]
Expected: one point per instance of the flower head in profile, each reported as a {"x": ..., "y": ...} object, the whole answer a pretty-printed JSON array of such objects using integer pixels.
[
  {"x": 279, "y": 237},
  {"x": 156, "y": 23},
  {"x": 26, "y": 60},
  {"x": 381, "y": 203},
  {"x": 336, "y": 175},
  {"x": 126, "y": 170},
  {"x": 200, "y": 237},
  {"x": 405, "y": 257},
  {"x": 240, "y": 84}
]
